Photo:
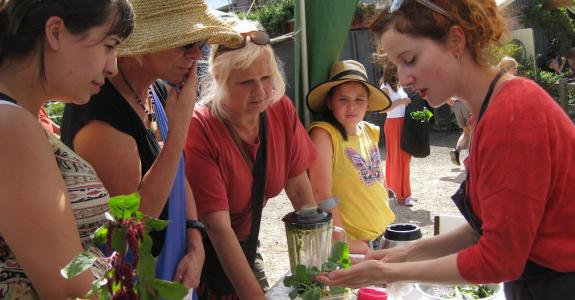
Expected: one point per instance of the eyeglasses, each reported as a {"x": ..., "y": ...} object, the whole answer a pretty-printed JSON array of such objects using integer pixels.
[
  {"x": 395, "y": 5},
  {"x": 257, "y": 37},
  {"x": 200, "y": 44}
]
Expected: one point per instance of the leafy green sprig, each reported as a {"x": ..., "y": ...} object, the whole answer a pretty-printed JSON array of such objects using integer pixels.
[
  {"x": 422, "y": 115},
  {"x": 303, "y": 282},
  {"x": 127, "y": 278}
]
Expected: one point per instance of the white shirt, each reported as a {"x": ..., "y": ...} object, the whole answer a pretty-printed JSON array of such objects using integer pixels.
[{"x": 399, "y": 111}]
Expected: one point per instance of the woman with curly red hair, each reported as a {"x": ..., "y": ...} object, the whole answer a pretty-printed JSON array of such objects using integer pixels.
[{"x": 516, "y": 198}]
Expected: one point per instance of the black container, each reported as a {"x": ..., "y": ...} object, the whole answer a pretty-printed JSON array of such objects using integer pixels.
[{"x": 396, "y": 234}]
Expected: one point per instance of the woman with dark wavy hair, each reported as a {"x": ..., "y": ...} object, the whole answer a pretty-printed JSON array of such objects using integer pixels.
[
  {"x": 51, "y": 199},
  {"x": 518, "y": 195}
]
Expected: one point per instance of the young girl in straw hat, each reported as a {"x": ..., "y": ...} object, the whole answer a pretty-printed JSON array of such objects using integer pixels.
[
  {"x": 347, "y": 177},
  {"x": 51, "y": 200},
  {"x": 123, "y": 132},
  {"x": 518, "y": 195}
]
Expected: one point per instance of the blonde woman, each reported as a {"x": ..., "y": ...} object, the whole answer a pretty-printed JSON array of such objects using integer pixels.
[
  {"x": 508, "y": 64},
  {"x": 244, "y": 130}
]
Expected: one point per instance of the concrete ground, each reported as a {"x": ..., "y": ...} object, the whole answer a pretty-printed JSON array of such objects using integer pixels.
[{"x": 433, "y": 180}]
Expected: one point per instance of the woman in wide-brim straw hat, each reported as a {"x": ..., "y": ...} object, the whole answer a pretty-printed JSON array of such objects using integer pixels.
[
  {"x": 347, "y": 178},
  {"x": 118, "y": 131}
]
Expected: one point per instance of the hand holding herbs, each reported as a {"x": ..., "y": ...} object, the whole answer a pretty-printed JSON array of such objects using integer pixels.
[
  {"x": 133, "y": 268},
  {"x": 303, "y": 282},
  {"x": 422, "y": 115}
]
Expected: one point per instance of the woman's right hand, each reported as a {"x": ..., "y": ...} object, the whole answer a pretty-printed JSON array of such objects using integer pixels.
[{"x": 180, "y": 104}]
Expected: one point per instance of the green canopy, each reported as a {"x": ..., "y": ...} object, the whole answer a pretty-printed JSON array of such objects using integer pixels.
[{"x": 323, "y": 26}]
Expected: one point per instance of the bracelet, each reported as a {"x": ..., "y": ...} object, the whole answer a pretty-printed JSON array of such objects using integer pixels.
[
  {"x": 328, "y": 204},
  {"x": 195, "y": 224}
]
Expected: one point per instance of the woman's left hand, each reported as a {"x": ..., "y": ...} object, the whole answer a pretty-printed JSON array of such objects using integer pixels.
[
  {"x": 189, "y": 269},
  {"x": 368, "y": 272}
]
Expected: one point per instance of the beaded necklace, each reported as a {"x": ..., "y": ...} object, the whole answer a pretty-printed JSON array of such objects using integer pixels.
[{"x": 150, "y": 114}]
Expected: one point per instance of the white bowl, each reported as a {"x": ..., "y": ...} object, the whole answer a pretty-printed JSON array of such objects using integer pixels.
[{"x": 426, "y": 290}]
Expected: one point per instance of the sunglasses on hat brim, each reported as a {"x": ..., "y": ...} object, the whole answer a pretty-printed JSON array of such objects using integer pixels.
[
  {"x": 395, "y": 5},
  {"x": 258, "y": 37}
]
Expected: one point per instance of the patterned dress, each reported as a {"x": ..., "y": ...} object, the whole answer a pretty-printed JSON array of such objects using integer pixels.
[{"x": 89, "y": 201}]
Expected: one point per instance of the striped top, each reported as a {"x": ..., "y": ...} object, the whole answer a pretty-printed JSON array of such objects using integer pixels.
[{"x": 89, "y": 202}]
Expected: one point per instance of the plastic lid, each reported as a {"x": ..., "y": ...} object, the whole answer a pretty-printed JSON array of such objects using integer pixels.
[
  {"x": 402, "y": 232},
  {"x": 307, "y": 217},
  {"x": 371, "y": 294}
]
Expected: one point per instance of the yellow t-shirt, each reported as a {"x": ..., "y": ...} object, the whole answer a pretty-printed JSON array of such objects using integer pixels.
[{"x": 358, "y": 182}]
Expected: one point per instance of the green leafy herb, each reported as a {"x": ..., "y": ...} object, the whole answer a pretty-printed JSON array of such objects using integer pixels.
[
  {"x": 422, "y": 115},
  {"x": 126, "y": 234},
  {"x": 303, "y": 282},
  {"x": 465, "y": 292},
  {"x": 473, "y": 291}
]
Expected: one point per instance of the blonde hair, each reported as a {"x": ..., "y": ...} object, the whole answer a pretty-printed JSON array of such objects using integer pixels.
[
  {"x": 507, "y": 63},
  {"x": 214, "y": 85}
]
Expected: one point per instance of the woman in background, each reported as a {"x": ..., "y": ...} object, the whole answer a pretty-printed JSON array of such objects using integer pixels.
[
  {"x": 508, "y": 64},
  {"x": 396, "y": 159}
]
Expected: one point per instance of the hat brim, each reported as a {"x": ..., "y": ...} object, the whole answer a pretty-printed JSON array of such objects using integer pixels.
[
  {"x": 155, "y": 35},
  {"x": 317, "y": 97}
]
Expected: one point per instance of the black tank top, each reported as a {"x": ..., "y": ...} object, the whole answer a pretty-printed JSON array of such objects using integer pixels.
[{"x": 109, "y": 106}]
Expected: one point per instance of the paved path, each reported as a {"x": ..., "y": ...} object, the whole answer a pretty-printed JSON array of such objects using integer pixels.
[{"x": 433, "y": 180}]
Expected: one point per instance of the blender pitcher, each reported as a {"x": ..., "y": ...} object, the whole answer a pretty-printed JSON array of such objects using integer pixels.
[{"x": 308, "y": 233}]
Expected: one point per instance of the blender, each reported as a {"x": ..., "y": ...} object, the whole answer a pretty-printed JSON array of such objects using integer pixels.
[{"x": 308, "y": 233}]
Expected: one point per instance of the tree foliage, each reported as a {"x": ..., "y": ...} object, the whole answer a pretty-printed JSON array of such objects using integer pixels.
[{"x": 272, "y": 15}]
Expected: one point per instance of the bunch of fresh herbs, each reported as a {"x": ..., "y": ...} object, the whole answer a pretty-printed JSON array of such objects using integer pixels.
[
  {"x": 422, "y": 115},
  {"x": 303, "y": 282},
  {"x": 132, "y": 272}
]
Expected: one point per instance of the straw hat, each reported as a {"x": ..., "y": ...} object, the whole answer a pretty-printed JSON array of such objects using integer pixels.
[
  {"x": 344, "y": 71},
  {"x": 168, "y": 24}
]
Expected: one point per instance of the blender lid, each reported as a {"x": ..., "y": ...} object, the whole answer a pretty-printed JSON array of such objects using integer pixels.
[
  {"x": 402, "y": 232},
  {"x": 307, "y": 216}
]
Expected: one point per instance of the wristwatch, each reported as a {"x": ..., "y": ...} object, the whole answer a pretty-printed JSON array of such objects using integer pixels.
[{"x": 195, "y": 224}]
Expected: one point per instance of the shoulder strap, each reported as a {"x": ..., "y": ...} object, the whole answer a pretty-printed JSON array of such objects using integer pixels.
[
  {"x": 258, "y": 169},
  {"x": 238, "y": 141}
]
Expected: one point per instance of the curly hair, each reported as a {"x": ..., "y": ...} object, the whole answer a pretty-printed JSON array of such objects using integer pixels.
[{"x": 480, "y": 20}]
